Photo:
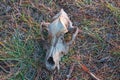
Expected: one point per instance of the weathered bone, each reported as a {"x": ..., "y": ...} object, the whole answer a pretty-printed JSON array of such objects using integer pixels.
[{"x": 57, "y": 30}]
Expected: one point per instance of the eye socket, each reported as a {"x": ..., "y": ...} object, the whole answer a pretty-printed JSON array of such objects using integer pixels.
[
  {"x": 51, "y": 61},
  {"x": 45, "y": 33},
  {"x": 67, "y": 37}
]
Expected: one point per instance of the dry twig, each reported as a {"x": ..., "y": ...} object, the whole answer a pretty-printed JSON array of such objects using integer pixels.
[
  {"x": 88, "y": 71},
  {"x": 70, "y": 72}
]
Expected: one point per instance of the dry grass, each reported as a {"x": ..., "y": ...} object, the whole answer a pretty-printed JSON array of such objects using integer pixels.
[{"x": 97, "y": 47}]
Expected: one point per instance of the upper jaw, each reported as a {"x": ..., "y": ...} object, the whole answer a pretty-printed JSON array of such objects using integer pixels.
[{"x": 54, "y": 55}]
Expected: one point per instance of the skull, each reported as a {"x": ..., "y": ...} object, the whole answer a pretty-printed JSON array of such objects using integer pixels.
[{"x": 59, "y": 42}]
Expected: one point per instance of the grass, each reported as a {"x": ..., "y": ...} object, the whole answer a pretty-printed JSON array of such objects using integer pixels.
[
  {"x": 21, "y": 50},
  {"x": 20, "y": 46}
]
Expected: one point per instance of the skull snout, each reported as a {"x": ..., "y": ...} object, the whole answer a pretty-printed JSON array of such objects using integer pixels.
[
  {"x": 54, "y": 55},
  {"x": 50, "y": 63}
]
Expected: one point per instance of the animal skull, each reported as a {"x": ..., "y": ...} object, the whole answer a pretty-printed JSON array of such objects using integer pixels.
[{"x": 59, "y": 44}]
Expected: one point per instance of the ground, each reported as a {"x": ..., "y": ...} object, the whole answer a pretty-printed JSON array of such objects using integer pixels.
[{"x": 97, "y": 47}]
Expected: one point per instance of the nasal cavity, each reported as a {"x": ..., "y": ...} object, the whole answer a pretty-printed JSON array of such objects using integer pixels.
[{"x": 51, "y": 61}]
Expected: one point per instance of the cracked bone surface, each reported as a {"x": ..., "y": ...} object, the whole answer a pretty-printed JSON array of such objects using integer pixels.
[{"x": 59, "y": 44}]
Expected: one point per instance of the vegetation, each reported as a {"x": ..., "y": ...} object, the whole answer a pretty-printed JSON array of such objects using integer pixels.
[{"x": 97, "y": 46}]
